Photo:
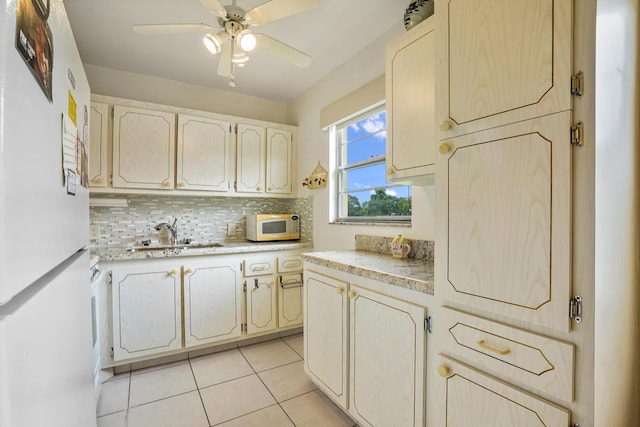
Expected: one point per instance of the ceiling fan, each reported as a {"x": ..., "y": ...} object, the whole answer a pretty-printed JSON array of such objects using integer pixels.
[{"x": 236, "y": 38}]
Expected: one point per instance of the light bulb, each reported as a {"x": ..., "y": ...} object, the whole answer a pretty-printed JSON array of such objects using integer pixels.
[
  {"x": 239, "y": 59},
  {"x": 212, "y": 43},
  {"x": 247, "y": 40}
]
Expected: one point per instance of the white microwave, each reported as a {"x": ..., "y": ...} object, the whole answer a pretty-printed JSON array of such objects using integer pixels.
[{"x": 268, "y": 227}]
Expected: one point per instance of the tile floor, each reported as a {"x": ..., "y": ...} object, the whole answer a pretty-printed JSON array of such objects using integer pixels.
[{"x": 259, "y": 385}]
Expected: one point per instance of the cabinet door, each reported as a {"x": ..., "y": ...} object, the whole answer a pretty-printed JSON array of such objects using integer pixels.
[
  {"x": 501, "y": 61},
  {"x": 259, "y": 265},
  {"x": 325, "y": 334},
  {"x": 279, "y": 162},
  {"x": 411, "y": 148},
  {"x": 212, "y": 301},
  {"x": 250, "y": 159},
  {"x": 387, "y": 352},
  {"x": 468, "y": 398},
  {"x": 203, "y": 154},
  {"x": 143, "y": 148},
  {"x": 289, "y": 263},
  {"x": 262, "y": 311},
  {"x": 504, "y": 223},
  {"x": 290, "y": 299},
  {"x": 98, "y": 138},
  {"x": 146, "y": 310}
]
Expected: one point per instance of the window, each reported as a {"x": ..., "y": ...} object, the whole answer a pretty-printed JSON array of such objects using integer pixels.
[{"x": 363, "y": 193}]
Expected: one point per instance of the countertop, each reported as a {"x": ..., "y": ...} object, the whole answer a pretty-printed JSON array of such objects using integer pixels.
[
  {"x": 118, "y": 253},
  {"x": 409, "y": 273}
]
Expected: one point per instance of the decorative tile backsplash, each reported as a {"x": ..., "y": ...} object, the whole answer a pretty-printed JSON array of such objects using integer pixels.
[
  {"x": 420, "y": 249},
  {"x": 199, "y": 218}
]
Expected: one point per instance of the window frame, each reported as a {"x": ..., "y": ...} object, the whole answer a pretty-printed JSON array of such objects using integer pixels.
[{"x": 338, "y": 131}]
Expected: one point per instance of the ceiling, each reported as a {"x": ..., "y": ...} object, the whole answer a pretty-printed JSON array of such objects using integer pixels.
[{"x": 330, "y": 33}]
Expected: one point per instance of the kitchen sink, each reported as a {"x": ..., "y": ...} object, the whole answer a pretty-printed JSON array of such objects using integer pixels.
[{"x": 181, "y": 246}]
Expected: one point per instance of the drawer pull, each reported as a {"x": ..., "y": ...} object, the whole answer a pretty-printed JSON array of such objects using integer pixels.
[
  {"x": 259, "y": 267},
  {"x": 351, "y": 294},
  {"x": 172, "y": 272},
  {"x": 339, "y": 290},
  {"x": 492, "y": 349},
  {"x": 444, "y": 371}
]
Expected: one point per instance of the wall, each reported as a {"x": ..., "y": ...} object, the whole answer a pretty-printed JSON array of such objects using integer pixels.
[
  {"x": 203, "y": 219},
  {"x": 106, "y": 81},
  {"x": 314, "y": 146},
  {"x": 616, "y": 226}
]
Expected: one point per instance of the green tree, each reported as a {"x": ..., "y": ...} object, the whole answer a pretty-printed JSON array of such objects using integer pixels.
[{"x": 381, "y": 204}]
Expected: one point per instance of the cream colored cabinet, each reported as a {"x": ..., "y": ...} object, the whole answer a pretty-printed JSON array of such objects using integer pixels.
[
  {"x": 204, "y": 154},
  {"x": 290, "y": 290},
  {"x": 387, "y": 360},
  {"x": 212, "y": 300},
  {"x": 501, "y": 61},
  {"x": 98, "y": 144},
  {"x": 143, "y": 148},
  {"x": 250, "y": 159},
  {"x": 261, "y": 293},
  {"x": 264, "y": 160},
  {"x": 410, "y": 86},
  {"x": 279, "y": 162},
  {"x": 505, "y": 211},
  {"x": 326, "y": 334},
  {"x": 147, "y": 316},
  {"x": 472, "y": 398}
]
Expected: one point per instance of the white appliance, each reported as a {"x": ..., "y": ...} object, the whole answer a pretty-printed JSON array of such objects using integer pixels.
[
  {"x": 45, "y": 296},
  {"x": 270, "y": 227},
  {"x": 96, "y": 279}
]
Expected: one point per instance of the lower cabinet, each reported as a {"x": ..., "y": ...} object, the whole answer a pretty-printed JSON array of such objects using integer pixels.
[
  {"x": 212, "y": 301},
  {"x": 147, "y": 316},
  {"x": 365, "y": 350},
  {"x": 472, "y": 398},
  {"x": 262, "y": 311}
]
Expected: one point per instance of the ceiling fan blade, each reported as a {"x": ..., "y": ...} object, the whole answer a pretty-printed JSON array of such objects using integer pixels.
[
  {"x": 277, "y": 9},
  {"x": 284, "y": 51},
  {"x": 215, "y": 7},
  {"x": 224, "y": 66},
  {"x": 172, "y": 28}
]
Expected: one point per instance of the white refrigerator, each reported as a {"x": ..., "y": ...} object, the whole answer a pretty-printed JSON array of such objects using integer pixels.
[{"x": 46, "y": 376}]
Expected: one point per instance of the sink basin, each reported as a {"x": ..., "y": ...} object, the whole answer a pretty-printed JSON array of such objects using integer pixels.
[{"x": 204, "y": 245}]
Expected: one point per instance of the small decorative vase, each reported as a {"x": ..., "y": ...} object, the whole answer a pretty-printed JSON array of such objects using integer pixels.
[{"x": 418, "y": 11}]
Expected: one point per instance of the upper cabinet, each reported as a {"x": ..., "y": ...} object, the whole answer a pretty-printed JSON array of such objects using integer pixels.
[
  {"x": 264, "y": 160},
  {"x": 160, "y": 149},
  {"x": 143, "y": 148},
  {"x": 98, "y": 141},
  {"x": 203, "y": 154},
  {"x": 411, "y": 133},
  {"x": 501, "y": 62}
]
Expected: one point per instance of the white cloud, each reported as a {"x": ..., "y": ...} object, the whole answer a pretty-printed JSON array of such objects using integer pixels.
[{"x": 390, "y": 192}]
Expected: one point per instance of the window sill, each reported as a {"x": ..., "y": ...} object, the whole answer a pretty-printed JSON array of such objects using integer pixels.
[{"x": 374, "y": 223}]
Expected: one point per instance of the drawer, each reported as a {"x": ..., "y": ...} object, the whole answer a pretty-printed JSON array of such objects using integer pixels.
[
  {"x": 513, "y": 354},
  {"x": 289, "y": 263},
  {"x": 468, "y": 397},
  {"x": 259, "y": 266}
]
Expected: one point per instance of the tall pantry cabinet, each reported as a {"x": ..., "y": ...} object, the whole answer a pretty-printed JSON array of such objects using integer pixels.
[{"x": 504, "y": 100}]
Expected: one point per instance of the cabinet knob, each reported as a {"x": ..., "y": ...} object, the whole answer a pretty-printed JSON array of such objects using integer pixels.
[
  {"x": 271, "y": 283},
  {"x": 97, "y": 181},
  {"x": 444, "y": 148},
  {"x": 391, "y": 170},
  {"x": 182, "y": 184},
  {"x": 351, "y": 294},
  {"x": 446, "y": 124},
  {"x": 259, "y": 188},
  {"x": 444, "y": 371},
  {"x": 189, "y": 270},
  {"x": 270, "y": 188},
  {"x": 173, "y": 272},
  {"x": 339, "y": 290},
  {"x": 166, "y": 183}
]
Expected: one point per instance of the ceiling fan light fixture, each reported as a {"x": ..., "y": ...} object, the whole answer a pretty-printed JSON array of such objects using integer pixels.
[
  {"x": 246, "y": 40},
  {"x": 240, "y": 59},
  {"x": 212, "y": 43}
]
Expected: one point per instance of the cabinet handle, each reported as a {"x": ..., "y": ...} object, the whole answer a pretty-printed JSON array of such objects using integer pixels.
[
  {"x": 173, "y": 272},
  {"x": 259, "y": 188},
  {"x": 270, "y": 283},
  {"x": 391, "y": 170},
  {"x": 97, "y": 181},
  {"x": 446, "y": 124},
  {"x": 166, "y": 183},
  {"x": 444, "y": 371},
  {"x": 339, "y": 290},
  {"x": 270, "y": 188},
  {"x": 483, "y": 345},
  {"x": 182, "y": 184},
  {"x": 189, "y": 270},
  {"x": 256, "y": 286},
  {"x": 351, "y": 294},
  {"x": 444, "y": 148}
]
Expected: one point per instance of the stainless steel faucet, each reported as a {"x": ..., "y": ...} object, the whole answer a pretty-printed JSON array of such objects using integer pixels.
[{"x": 173, "y": 230}]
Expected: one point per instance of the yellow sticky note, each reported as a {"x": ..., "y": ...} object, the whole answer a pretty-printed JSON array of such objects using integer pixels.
[{"x": 72, "y": 109}]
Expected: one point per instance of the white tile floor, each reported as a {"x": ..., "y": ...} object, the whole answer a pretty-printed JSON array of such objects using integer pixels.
[{"x": 259, "y": 385}]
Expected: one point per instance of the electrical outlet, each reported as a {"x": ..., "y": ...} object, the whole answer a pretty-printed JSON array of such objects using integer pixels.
[
  {"x": 231, "y": 229},
  {"x": 94, "y": 232}
]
